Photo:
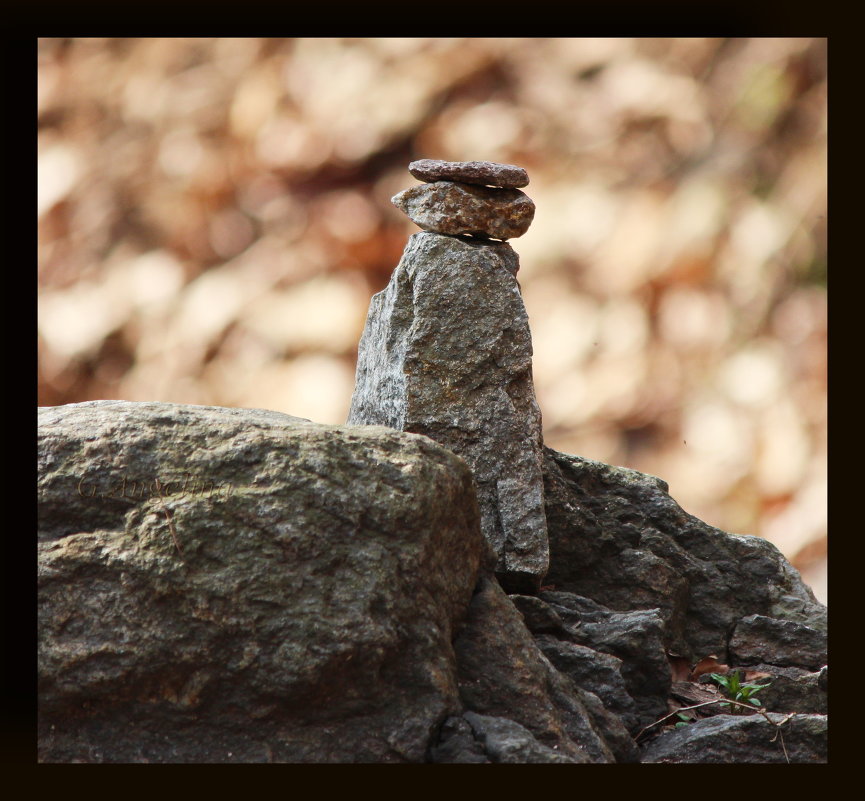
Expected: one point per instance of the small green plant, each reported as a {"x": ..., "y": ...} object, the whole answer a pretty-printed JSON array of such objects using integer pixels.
[{"x": 737, "y": 690}]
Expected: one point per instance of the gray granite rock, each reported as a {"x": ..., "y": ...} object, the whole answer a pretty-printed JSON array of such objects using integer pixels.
[
  {"x": 618, "y": 538},
  {"x": 246, "y": 586},
  {"x": 539, "y": 616},
  {"x": 502, "y": 673},
  {"x": 477, "y": 739},
  {"x": 758, "y": 638},
  {"x": 446, "y": 352},
  {"x": 744, "y": 739},
  {"x": 229, "y": 585},
  {"x": 637, "y": 639},
  {"x": 456, "y": 744},
  {"x": 483, "y": 173},
  {"x": 611, "y": 727},
  {"x": 596, "y": 672},
  {"x": 458, "y": 209},
  {"x": 507, "y": 742}
]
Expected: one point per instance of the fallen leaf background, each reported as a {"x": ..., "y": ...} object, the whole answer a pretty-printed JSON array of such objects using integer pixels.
[{"x": 215, "y": 213}]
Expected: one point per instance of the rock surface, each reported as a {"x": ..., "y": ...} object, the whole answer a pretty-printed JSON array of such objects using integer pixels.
[
  {"x": 447, "y": 352},
  {"x": 632, "y": 672},
  {"x": 794, "y": 689},
  {"x": 596, "y": 672},
  {"x": 538, "y": 616},
  {"x": 308, "y": 615},
  {"x": 758, "y": 638},
  {"x": 744, "y": 739},
  {"x": 477, "y": 738},
  {"x": 502, "y": 673},
  {"x": 637, "y": 638},
  {"x": 617, "y": 537},
  {"x": 482, "y": 173},
  {"x": 247, "y": 586},
  {"x": 458, "y": 209}
]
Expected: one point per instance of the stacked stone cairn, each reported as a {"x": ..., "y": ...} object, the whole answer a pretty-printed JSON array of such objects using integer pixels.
[
  {"x": 474, "y": 198},
  {"x": 447, "y": 352},
  {"x": 331, "y": 600}
]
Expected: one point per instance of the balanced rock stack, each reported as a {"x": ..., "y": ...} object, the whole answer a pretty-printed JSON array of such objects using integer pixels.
[
  {"x": 446, "y": 351},
  {"x": 475, "y": 198}
]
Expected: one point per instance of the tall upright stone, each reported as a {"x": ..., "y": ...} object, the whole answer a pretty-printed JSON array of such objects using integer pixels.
[{"x": 447, "y": 352}]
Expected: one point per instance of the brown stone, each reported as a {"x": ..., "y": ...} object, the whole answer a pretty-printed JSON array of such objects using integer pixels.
[
  {"x": 482, "y": 173},
  {"x": 446, "y": 207}
]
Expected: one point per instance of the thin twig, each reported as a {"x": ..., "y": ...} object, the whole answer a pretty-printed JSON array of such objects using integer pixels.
[
  {"x": 675, "y": 712},
  {"x": 780, "y": 734}
]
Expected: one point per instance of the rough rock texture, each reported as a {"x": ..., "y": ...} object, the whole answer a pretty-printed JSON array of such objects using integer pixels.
[
  {"x": 611, "y": 727},
  {"x": 599, "y": 673},
  {"x": 744, "y": 739},
  {"x": 457, "y": 209},
  {"x": 502, "y": 673},
  {"x": 794, "y": 690},
  {"x": 777, "y": 642},
  {"x": 447, "y": 352},
  {"x": 457, "y": 744},
  {"x": 241, "y": 585},
  {"x": 616, "y": 537},
  {"x": 637, "y": 641},
  {"x": 539, "y": 616},
  {"x": 503, "y": 741},
  {"x": 483, "y": 173},
  {"x": 307, "y": 616}
]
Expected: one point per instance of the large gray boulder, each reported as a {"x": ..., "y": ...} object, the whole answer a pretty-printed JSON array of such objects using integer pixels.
[
  {"x": 238, "y": 585},
  {"x": 447, "y": 352},
  {"x": 221, "y": 585}
]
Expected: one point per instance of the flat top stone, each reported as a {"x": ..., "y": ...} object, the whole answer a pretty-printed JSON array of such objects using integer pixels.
[{"x": 483, "y": 173}]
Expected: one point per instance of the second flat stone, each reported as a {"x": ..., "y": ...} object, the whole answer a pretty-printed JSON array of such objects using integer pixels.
[{"x": 448, "y": 207}]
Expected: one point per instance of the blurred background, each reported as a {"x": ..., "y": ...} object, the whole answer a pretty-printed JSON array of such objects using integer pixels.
[{"x": 214, "y": 215}]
